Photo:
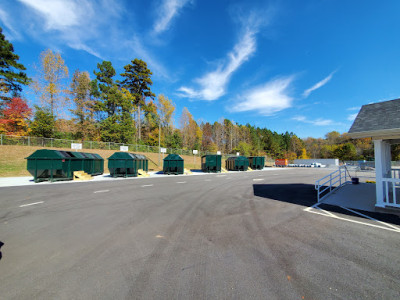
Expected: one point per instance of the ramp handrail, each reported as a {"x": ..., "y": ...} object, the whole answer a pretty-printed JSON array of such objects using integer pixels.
[{"x": 332, "y": 182}]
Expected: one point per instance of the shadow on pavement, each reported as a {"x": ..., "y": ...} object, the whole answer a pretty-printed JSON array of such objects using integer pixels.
[
  {"x": 299, "y": 193},
  {"x": 306, "y": 195}
]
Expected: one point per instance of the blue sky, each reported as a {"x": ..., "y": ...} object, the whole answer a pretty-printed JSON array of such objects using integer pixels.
[{"x": 301, "y": 66}]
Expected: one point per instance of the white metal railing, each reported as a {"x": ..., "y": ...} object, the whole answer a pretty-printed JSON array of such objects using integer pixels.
[
  {"x": 331, "y": 182},
  {"x": 391, "y": 187},
  {"x": 395, "y": 173}
]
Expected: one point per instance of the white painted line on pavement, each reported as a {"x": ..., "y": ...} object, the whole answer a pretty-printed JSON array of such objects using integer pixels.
[
  {"x": 181, "y": 182},
  {"x": 373, "y": 219},
  {"x": 102, "y": 191},
  {"x": 145, "y": 185},
  {"x": 221, "y": 175},
  {"x": 330, "y": 215},
  {"x": 207, "y": 180},
  {"x": 258, "y": 179},
  {"x": 29, "y": 204}
]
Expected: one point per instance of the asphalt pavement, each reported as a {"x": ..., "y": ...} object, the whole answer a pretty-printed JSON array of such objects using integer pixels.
[{"x": 247, "y": 235}]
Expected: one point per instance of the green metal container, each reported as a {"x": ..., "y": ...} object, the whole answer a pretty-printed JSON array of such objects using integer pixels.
[
  {"x": 55, "y": 165},
  {"x": 257, "y": 162},
  {"x": 237, "y": 163},
  {"x": 94, "y": 164},
  {"x": 125, "y": 164},
  {"x": 173, "y": 164},
  {"x": 211, "y": 163}
]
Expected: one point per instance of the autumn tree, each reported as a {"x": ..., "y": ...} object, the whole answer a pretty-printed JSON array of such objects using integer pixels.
[
  {"x": 12, "y": 75},
  {"x": 15, "y": 117},
  {"x": 151, "y": 124},
  {"x": 49, "y": 82},
  {"x": 166, "y": 109},
  {"x": 137, "y": 80},
  {"x": 346, "y": 151},
  {"x": 191, "y": 132},
  {"x": 207, "y": 143},
  {"x": 83, "y": 111}
]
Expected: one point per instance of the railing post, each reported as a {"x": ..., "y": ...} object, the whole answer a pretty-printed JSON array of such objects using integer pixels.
[
  {"x": 51, "y": 142},
  {"x": 29, "y": 140},
  {"x": 1, "y": 139}
]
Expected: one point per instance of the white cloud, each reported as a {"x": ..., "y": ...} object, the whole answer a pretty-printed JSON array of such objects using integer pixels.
[
  {"x": 90, "y": 26},
  {"x": 136, "y": 45},
  {"x": 354, "y": 108},
  {"x": 167, "y": 11},
  {"x": 319, "y": 84},
  {"x": 267, "y": 99},
  {"x": 59, "y": 14},
  {"x": 352, "y": 117},
  {"x": 316, "y": 122},
  {"x": 213, "y": 85},
  {"x": 4, "y": 18}
]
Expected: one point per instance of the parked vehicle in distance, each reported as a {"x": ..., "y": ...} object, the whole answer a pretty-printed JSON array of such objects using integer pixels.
[
  {"x": 281, "y": 162},
  {"x": 317, "y": 165}
]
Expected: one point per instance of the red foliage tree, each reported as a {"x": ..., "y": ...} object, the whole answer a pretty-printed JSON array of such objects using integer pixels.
[{"x": 14, "y": 117}]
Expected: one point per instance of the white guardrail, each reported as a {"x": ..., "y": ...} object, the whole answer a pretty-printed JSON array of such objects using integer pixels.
[
  {"x": 331, "y": 182},
  {"x": 391, "y": 186}
]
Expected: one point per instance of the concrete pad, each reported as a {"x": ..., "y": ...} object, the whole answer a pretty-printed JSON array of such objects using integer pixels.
[{"x": 357, "y": 196}]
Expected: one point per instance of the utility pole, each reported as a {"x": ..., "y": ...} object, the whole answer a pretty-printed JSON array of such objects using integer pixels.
[{"x": 159, "y": 141}]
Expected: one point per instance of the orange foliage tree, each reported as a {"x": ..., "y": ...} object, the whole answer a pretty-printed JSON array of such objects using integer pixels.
[{"x": 14, "y": 117}]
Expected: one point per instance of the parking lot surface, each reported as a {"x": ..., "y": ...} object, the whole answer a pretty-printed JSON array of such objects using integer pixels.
[{"x": 243, "y": 235}]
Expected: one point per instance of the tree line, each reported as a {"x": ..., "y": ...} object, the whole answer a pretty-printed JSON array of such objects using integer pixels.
[{"x": 125, "y": 110}]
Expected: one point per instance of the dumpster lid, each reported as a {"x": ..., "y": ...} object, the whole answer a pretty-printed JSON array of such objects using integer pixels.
[
  {"x": 211, "y": 155},
  {"x": 140, "y": 156},
  {"x": 173, "y": 157},
  {"x": 46, "y": 153},
  {"x": 122, "y": 155},
  {"x": 97, "y": 156}
]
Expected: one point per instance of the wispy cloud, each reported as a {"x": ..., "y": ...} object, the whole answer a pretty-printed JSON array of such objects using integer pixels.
[
  {"x": 63, "y": 20},
  {"x": 267, "y": 99},
  {"x": 90, "y": 26},
  {"x": 167, "y": 11},
  {"x": 5, "y": 19},
  {"x": 354, "y": 108},
  {"x": 319, "y": 84},
  {"x": 141, "y": 51},
  {"x": 352, "y": 117},
  {"x": 58, "y": 14},
  {"x": 213, "y": 84},
  {"x": 316, "y": 122}
]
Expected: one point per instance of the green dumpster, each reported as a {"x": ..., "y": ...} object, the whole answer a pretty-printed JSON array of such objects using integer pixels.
[
  {"x": 143, "y": 162},
  {"x": 125, "y": 164},
  {"x": 211, "y": 163},
  {"x": 55, "y": 165},
  {"x": 237, "y": 163},
  {"x": 94, "y": 164},
  {"x": 173, "y": 164},
  {"x": 257, "y": 162}
]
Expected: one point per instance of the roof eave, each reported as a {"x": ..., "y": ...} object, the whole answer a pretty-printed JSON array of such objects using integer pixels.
[{"x": 383, "y": 134}]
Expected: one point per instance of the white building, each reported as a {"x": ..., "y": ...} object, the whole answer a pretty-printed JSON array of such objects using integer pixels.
[{"x": 381, "y": 122}]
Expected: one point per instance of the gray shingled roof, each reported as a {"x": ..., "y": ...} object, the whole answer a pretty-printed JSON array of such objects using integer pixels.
[{"x": 377, "y": 116}]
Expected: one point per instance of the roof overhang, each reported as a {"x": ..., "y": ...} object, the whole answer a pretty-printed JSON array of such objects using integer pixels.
[{"x": 383, "y": 134}]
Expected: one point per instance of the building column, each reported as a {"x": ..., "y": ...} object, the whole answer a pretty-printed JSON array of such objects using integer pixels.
[{"x": 382, "y": 169}]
